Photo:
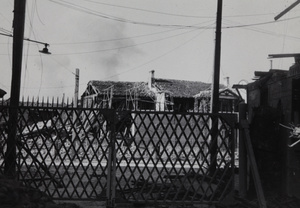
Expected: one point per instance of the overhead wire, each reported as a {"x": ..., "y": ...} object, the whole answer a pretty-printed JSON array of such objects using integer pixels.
[
  {"x": 28, "y": 45},
  {"x": 147, "y": 10},
  {"x": 151, "y": 41},
  {"x": 129, "y": 46},
  {"x": 228, "y": 27},
  {"x": 260, "y": 23},
  {"x": 37, "y": 13},
  {"x": 176, "y": 15},
  {"x": 31, "y": 31},
  {"x": 157, "y": 57},
  {"x": 106, "y": 16},
  {"x": 60, "y": 64},
  {"x": 116, "y": 39},
  {"x": 110, "y": 17},
  {"x": 263, "y": 31}
]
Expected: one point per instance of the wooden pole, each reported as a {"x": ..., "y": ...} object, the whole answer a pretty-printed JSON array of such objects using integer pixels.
[
  {"x": 18, "y": 36},
  {"x": 216, "y": 72},
  {"x": 76, "y": 88},
  {"x": 215, "y": 91},
  {"x": 75, "y": 105},
  {"x": 243, "y": 165},
  {"x": 286, "y": 10}
]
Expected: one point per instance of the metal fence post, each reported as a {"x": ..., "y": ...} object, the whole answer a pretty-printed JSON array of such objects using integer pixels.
[{"x": 242, "y": 153}]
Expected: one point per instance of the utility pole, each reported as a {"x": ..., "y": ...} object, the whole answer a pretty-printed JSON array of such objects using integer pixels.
[
  {"x": 18, "y": 36},
  {"x": 76, "y": 88},
  {"x": 75, "y": 105},
  {"x": 215, "y": 91},
  {"x": 216, "y": 74}
]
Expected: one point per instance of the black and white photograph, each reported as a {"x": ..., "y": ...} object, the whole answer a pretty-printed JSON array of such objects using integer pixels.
[{"x": 149, "y": 103}]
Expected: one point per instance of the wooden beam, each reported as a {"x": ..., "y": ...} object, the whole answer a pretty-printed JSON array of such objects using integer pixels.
[
  {"x": 239, "y": 86},
  {"x": 286, "y": 10},
  {"x": 253, "y": 166},
  {"x": 284, "y": 55}
]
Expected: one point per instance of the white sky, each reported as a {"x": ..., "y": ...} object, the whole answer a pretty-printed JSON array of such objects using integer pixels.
[{"x": 122, "y": 40}]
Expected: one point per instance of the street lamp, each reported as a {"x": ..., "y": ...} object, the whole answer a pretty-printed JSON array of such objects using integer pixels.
[{"x": 45, "y": 50}]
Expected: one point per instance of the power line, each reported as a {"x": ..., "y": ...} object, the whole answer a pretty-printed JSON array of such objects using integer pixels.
[
  {"x": 129, "y": 46},
  {"x": 102, "y": 15},
  {"x": 115, "y": 39},
  {"x": 62, "y": 65},
  {"x": 149, "y": 11},
  {"x": 110, "y": 17},
  {"x": 267, "y": 32},
  {"x": 157, "y": 57},
  {"x": 260, "y": 23},
  {"x": 125, "y": 38},
  {"x": 177, "y": 15}
]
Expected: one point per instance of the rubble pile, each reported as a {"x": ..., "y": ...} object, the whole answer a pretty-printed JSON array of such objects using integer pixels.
[{"x": 13, "y": 194}]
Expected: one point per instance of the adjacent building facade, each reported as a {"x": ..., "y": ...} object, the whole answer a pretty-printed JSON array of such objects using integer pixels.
[{"x": 274, "y": 112}]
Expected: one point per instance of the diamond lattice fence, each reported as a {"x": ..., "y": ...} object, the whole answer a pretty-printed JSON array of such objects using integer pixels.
[
  {"x": 62, "y": 151},
  {"x": 167, "y": 157},
  {"x": 133, "y": 156}
]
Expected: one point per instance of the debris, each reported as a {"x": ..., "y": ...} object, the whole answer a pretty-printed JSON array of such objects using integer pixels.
[
  {"x": 294, "y": 133},
  {"x": 15, "y": 194}
]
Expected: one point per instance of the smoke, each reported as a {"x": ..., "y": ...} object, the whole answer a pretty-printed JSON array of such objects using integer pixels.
[
  {"x": 117, "y": 53},
  {"x": 99, "y": 47}
]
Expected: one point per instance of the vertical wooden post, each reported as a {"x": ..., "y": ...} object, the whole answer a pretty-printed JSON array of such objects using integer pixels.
[
  {"x": 76, "y": 88},
  {"x": 75, "y": 105},
  {"x": 18, "y": 36},
  {"x": 111, "y": 169},
  {"x": 254, "y": 170},
  {"x": 216, "y": 72},
  {"x": 243, "y": 185},
  {"x": 215, "y": 92}
]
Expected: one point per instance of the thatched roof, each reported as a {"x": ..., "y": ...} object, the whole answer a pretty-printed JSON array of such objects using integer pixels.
[
  {"x": 121, "y": 88},
  {"x": 223, "y": 93},
  {"x": 172, "y": 87},
  {"x": 181, "y": 88}
]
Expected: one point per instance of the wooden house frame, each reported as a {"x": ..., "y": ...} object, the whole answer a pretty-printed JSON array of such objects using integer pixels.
[{"x": 157, "y": 94}]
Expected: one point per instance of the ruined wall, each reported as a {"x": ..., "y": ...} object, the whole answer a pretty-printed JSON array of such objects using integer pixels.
[{"x": 271, "y": 104}]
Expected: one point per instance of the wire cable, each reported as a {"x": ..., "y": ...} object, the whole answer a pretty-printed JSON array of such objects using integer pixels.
[
  {"x": 267, "y": 32},
  {"x": 110, "y": 17},
  {"x": 157, "y": 57},
  {"x": 102, "y": 15},
  {"x": 176, "y": 15},
  {"x": 119, "y": 39},
  {"x": 260, "y": 23},
  {"x": 149, "y": 11},
  {"x": 128, "y": 46}
]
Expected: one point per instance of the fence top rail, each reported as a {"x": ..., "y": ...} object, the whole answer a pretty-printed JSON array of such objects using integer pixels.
[{"x": 72, "y": 107}]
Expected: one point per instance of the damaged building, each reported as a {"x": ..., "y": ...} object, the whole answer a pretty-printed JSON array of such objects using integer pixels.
[
  {"x": 158, "y": 95},
  {"x": 274, "y": 116}
]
